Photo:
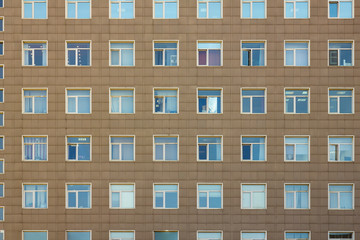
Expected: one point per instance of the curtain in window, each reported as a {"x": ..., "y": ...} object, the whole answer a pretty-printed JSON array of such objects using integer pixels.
[
  {"x": 40, "y": 152},
  {"x": 28, "y": 105},
  {"x": 127, "y": 105},
  {"x": 28, "y": 57},
  {"x": 40, "y": 105},
  {"x": 158, "y": 58},
  {"x": 214, "y": 57},
  {"x": 115, "y": 105},
  {"x": 127, "y": 58},
  {"x": 40, "y": 200}
]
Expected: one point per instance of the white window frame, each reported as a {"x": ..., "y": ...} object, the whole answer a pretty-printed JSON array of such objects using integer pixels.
[
  {"x": 208, "y": 196},
  {"x": 352, "y": 232},
  {"x": 251, "y": 148},
  {"x": 178, "y": 234},
  {"x": 252, "y": 231},
  {"x": 294, "y": 98},
  {"x": 251, "y": 8},
  {"x": 3, "y": 68},
  {"x": 76, "y": 50},
  {"x": 209, "y": 231},
  {"x": 251, "y": 97},
  {"x": 338, "y": 17},
  {"x": 119, "y": 3},
  {"x": 177, "y": 99},
  {"x": 3, "y": 163},
  {"x": 163, "y": 2},
  {"x": 3, "y": 207},
  {"x": 32, "y": 50},
  {"x": 121, "y": 41},
  {"x": 33, "y": 10},
  {"x": 352, "y": 144},
  {"x": 3, "y": 93},
  {"x": 338, "y": 49},
  {"x": 77, "y": 100},
  {"x": 116, "y": 231},
  {"x": 33, "y": 148},
  {"x": 110, "y": 147},
  {"x": 3, "y": 185},
  {"x": 77, "y": 148},
  {"x": 76, "y": 10},
  {"x": 207, "y": 9},
  {"x": 207, "y": 52},
  {"x": 207, "y": 99},
  {"x": 291, "y": 231},
  {"x": 110, "y": 191},
  {"x": 338, "y": 99},
  {"x": 207, "y": 148},
  {"x": 294, "y": 2},
  {"x": 163, "y": 50},
  {"x": 3, "y": 116},
  {"x": 33, "y": 99},
  {"x": 163, "y": 144},
  {"x": 353, "y": 197},
  {"x": 251, "y": 49},
  {"x": 110, "y": 100},
  {"x": 295, "y": 144},
  {"x": 163, "y": 192},
  {"x": 23, "y": 233},
  {"x": 309, "y": 196},
  {"x": 3, "y": 137},
  {"x": 3, "y": 21},
  {"x": 66, "y": 231},
  {"x": 33, "y": 192},
  {"x": 3, "y": 43},
  {"x": 294, "y": 50},
  {"x": 77, "y": 195},
  {"x": 251, "y": 193}
]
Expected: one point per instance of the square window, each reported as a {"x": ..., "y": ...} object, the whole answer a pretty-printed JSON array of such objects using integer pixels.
[
  {"x": 166, "y": 196},
  {"x": 253, "y": 196},
  {"x": 2, "y": 166},
  {"x": 2, "y": 119},
  {"x": 209, "y": 196},
  {"x": 297, "y": 101},
  {"x": 341, "y": 235},
  {"x": 78, "y": 101},
  {"x": 122, "y": 148},
  {"x": 35, "y": 196},
  {"x": 341, "y": 8},
  {"x": 297, "y": 53},
  {"x": 34, "y": 101},
  {"x": 78, "y": 9},
  {"x": 209, "y": 148},
  {"x": 341, "y": 196},
  {"x": 166, "y": 53},
  {"x": 78, "y": 53},
  {"x": 167, "y": 235},
  {"x": 35, "y": 9},
  {"x": 297, "y": 148},
  {"x": 78, "y": 148},
  {"x": 341, "y": 149},
  {"x": 341, "y": 53},
  {"x": 35, "y": 235},
  {"x": 35, "y": 148},
  {"x": 122, "y": 54},
  {"x": 166, "y": 101},
  {"x": 253, "y": 9},
  {"x": 34, "y": 53},
  {"x": 297, "y": 8},
  {"x": 2, "y": 142},
  {"x": 253, "y": 148},
  {"x": 297, "y": 196},
  {"x": 78, "y": 196},
  {"x": 253, "y": 101},
  {"x": 122, "y": 9},
  {"x": 253, "y": 53},
  {"x": 209, "y": 235},
  {"x": 78, "y": 235},
  {"x": 166, "y": 148},
  {"x": 297, "y": 235},
  {"x": 122, "y": 196},
  {"x": 165, "y": 9},
  {"x": 209, "y": 9},
  {"x": 253, "y": 235},
  {"x": 209, "y": 101},
  {"x": 1, "y": 95},
  {"x": 341, "y": 101},
  {"x": 122, "y": 101},
  {"x": 209, "y": 53},
  {"x": 120, "y": 235}
]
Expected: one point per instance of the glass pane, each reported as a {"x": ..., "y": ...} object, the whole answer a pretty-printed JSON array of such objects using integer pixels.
[
  {"x": 333, "y": 58},
  {"x": 159, "y": 105},
  {"x": 259, "y": 200},
  {"x": 171, "y": 152},
  {"x": 78, "y": 236},
  {"x": 115, "y": 199},
  {"x": 333, "y": 105},
  {"x": 84, "y": 200},
  {"x": 255, "y": 236},
  {"x": 345, "y": 105},
  {"x": 346, "y": 200},
  {"x": 27, "y": 10},
  {"x": 246, "y": 10},
  {"x": 127, "y": 10},
  {"x": 40, "y": 105},
  {"x": 202, "y": 105},
  {"x": 170, "y": 57},
  {"x": 71, "y": 152},
  {"x": 202, "y": 152},
  {"x": 127, "y": 105},
  {"x": 259, "y": 152},
  {"x": 289, "y": 10},
  {"x": 83, "y": 10},
  {"x": 115, "y": 58},
  {"x": 170, "y": 199},
  {"x": 214, "y": 10},
  {"x": 214, "y": 57},
  {"x": 71, "y": 57},
  {"x": 345, "y": 9},
  {"x": 290, "y": 152},
  {"x": 302, "y": 57},
  {"x": 122, "y": 235},
  {"x": 166, "y": 236},
  {"x": 28, "y": 105},
  {"x": 302, "y": 10},
  {"x": 127, "y": 152},
  {"x": 289, "y": 105},
  {"x": 246, "y": 200},
  {"x": 115, "y": 10},
  {"x": 127, "y": 199},
  {"x": 202, "y": 10},
  {"x": 84, "y": 105},
  {"x": 258, "y": 105},
  {"x": 171, "y": 105},
  {"x": 246, "y": 152},
  {"x": 215, "y": 152},
  {"x": 170, "y": 9},
  {"x": 302, "y": 152},
  {"x": 302, "y": 200},
  {"x": 258, "y": 10},
  {"x": 71, "y": 10},
  {"x": 345, "y": 57},
  {"x": 159, "y": 200},
  {"x": 289, "y": 58},
  {"x": 289, "y": 200},
  {"x": 159, "y": 58},
  {"x": 83, "y": 57},
  {"x": 302, "y": 105},
  {"x": 246, "y": 105},
  {"x": 71, "y": 199},
  {"x": 346, "y": 152},
  {"x": 35, "y": 235},
  {"x": 202, "y": 58},
  {"x": 127, "y": 58},
  {"x": 213, "y": 105},
  {"x": 158, "y": 11},
  {"x": 214, "y": 200},
  {"x": 209, "y": 45},
  {"x": 84, "y": 152},
  {"x": 333, "y": 8},
  {"x": 40, "y": 10}
]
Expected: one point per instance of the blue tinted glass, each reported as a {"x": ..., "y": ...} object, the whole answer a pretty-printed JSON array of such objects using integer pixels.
[
  {"x": 208, "y": 187},
  {"x": 27, "y": 10},
  {"x": 246, "y": 10},
  {"x": 346, "y": 200},
  {"x": 341, "y": 188},
  {"x": 253, "y": 140},
  {"x": 253, "y": 45},
  {"x": 340, "y": 45},
  {"x": 246, "y": 105},
  {"x": 214, "y": 10},
  {"x": 297, "y": 235},
  {"x": 333, "y": 105},
  {"x": 254, "y": 235},
  {"x": 83, "y": 57},
  {"x": 78, "y": 45},
  {"x": 209, "y": 140},
  {"x": 258, "y": 152},
  {"x": 258, "y": 58},
  {"x": 127, "y": 10},
  {"x": 246, "y": 152},
  {"x": 289, "y": 105},
  {"x": 40, "y": 10},
  {"x": 289, "y": 58},
  {"x": 115, "y": 58},
  {"x": 296, "y": 140},
  {"x": 158, "y": 10},
  {"x": 166, "y": 236},
  {"x": 258, "y": 105},
  {"x": 84, "y": 152},
  {"x": 215, "y": 200},
  {"x": 302, "y": 200},
  {"x": 72, "y": 152},
  {"x": 165, "y": 45},
  {"x": 345, "y": 9},
  {"x": 170, "y": 10},
  {"x": 333, "y": 9},
  {"x": 83, "y": 10},
  {"x": 1, "y": 96},
  {"x": 209, "y": 45},
  {"x": 35, "y": 235},
  {"x": 258, "y": 10},
  {"x": 1, "y": 3},
  {"x": 71, "y": 10},
  {"x": 289, "y": 10},
  {"x": 78, "y": 236},
  {"x": 340, "y": 140},
  {"x": 302, "y": 57},
  {"x": 289, "y": 200},
  {"x": 170, "y": 105},
  {"x": 340, "y": 93},
  {"x": 171, "y": 152},
  {"x": 83, "y": 105},
  {"x": 2, "y": 167},
  {"x": 296, "y": 45},
  {"x": 1, "y": 143},
  {"x": 170, "y": 57},
  {"x": 1, "y": 120},
  {"x": 122, "y": 235},
  {"x": 202, "y": 10},
  {"x": 345, "y": 57},
  {"x": 345, "y": 105},
  {"x": 215, "y": 152},
  {"x": 71, "y": 57},
  {"x": 159, "y": 58},
  {"x": 302, "y": 105},
  {"x": 1, "y": 72},
  {"x": 202, "y": 152},
  {"x": 202, "y": 105},
  {"x": 1, "y": 190},
  {"x": 246, "y": 58},
  {"x": 302, "y": 10},
  {"x": 115, "y": 8},
  {"x": 253, "y": 92},
  {"x": 296, "y": 92},
  {"x": 296, "y": 187},
  {"x": 171, "y": 200},
  {"x": 208, "y": 235}
]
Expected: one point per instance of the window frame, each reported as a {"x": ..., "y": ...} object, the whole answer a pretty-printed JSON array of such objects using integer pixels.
[
  {"x": 341, "y": 41},
  {"x": 163, "y": 50},
  {"x": 77, "y": 150},
  {"x": 111, "y": 231},
  {"x": 294, "y": 50},
  {"x": 251, "y": 150},
  {"x": 3, "y": 93},
  {"x": 121, "y": 183},
  {"x": 23, "y": 231},
  {"x": 177, "y": 99},
  {"x": 294, "y": 1},
  {"x": 3, "y": 137},
  {"x": 3, "y": 5},
  {"x": 77, "y": 41},
  {"x": 177, "y": 231},
  {"x": 153, "y": 11},
  {"x": 253, "y": 41},
  {"x": 3, "y": 69},
  {"x": 209, "y": 231},
  {"x": 66, "y": 236},
  {"x": 154, "y": 196},
  {"x": 33, "y": 147},
  {"x": 121, "y": 41},
  {"x": 110, "y": 101},
  {"x": 110, "y": 146},
  {"x": 76, "y": 102},
  {"x": 251, "y": 104},
  {"x": 352, "y": 9},
  {"x": 297, "y": 136},
  {"x": 296, "y": 96},
  {"x": 353, "y": 233},
  {"x": 166, "y": 136},
  {"x": 3, "y": 45},
  {"x": 309, "y": 197},
  {"x": 197, "y": 196},
  {"x": 119, "y": 1},
  {"x": 3, "y": 23},
  {"x": 207, "y": 147},
  {"x": 251, "y": 8},
  {"x": 3, "y": 186},
  {"x": 33, "y": 58},
  {"x": 67, "y": 197},
  {"x": 352, "y": 98},
  {"x": 241, "y": 196},
  {"x": 23, "y": 195},
  {"x": 3, "y": 115},
  {"x": 33, "y": 11},
  {"x": 353, "y": 197},
  {"x": 207, "y": 106},
  {"x": 76, "y": 12},
  {"x": 253, "y": 231},
  {"x": 207, "y": 55},
  {"x": 33, "y": 105},
  {"x": 3, "y": 216},
  {"x": 207, "y": 10},
  {"x": 296, "y": 231},
  {"x": 3, "y": 163},
  {"x": 341, "y": 136}
]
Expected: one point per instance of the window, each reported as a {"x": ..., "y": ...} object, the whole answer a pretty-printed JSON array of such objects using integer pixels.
[
  {"x": 209, "y": 235},
  {"x": 122, "y": 101},
  {"x": 122, "y": 148},
  {"x": 2, "y": 166},
  {"x": 122, "y": 9},
  {"x": 209, "y": 196},
  {"x": 209, "y": 101},
  {"x": 253, "y": 196},
  {"x": 209, "y": 8},
  {"x": 166, "y": 101},
  {"x": 78, "y": 101},
  {"x": 341, "y": 9},
  {"x": 2, "y": 71},
  {"x": 78, "y": 196},
  {"x": 341, "y": 53},
  {"x": 2, "y": 234},
  {"x": 35, "y": 196},
  {"x": 297, "y": 196},
  {"x": 341, "y": 235},
  {"x": 1, "y": 48},
  {"x": 209, "y": 148},
  {"x": 253, "y": 101},
  {"x": 297, "y": 148},
  {"x": 209, "y": 53},
  {"x": 78, "y": 235},
  {"x": 78, "y": 9},
  {"x": 253, "y": 53},
  {"x": 166, "y": 53},
  {"x": 297, "y": 236},
  {"x": 2, "y": 119},
  {"x": 35, "y": 235},
  {"x": 35, "y": 148},
  {"x": 341, "y": 101},
  {"x": 35, "y": 101},
  {"x": 297, "y": 53},
  {"x": 78, "y": 148},
  {"x": 1, "y": 24},
  {"x": 166, "y": 148},
  {"x": 341, "y": 149},
  {"x": 35, "y": 9},
  {"x": 1, "y": 95},
  {"x": 2, "y": 214},
  {"x": 253, "y": 148},
  {"x": 297, "y": 8},
  {"x": 165, "y": 9},
  {"x": 122, "y": 54},
  {"x": 167, "y": 235},
  {"x": 2, "y": 142},
  {"x": 166, "y": 196},
  {"x": 341, "y": 196},
  {"x": 1, "y": 3},
  {"x": 122, "y": 235},
  {"x": 253, "y": 235},
  {"x": 253, "y": 9},
  {"x": 122, "y": 196},
  {"x": 2, "y": 191},
  {"x": 297, "y": 101},
  {"x": 34, "y": 53},
  {"x": 78, "y": 53}
]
